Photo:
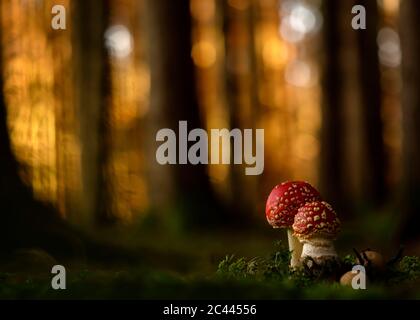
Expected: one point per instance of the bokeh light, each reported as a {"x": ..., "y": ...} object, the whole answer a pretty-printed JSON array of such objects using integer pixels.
[
  {"x": 298, "y": 20},
  {"x": 389, "y": 47},
  {"x": 119, "y": 41}
]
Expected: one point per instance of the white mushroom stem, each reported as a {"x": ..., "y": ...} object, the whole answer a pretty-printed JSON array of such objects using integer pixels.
[
  {"x": 295, "y": 247},
  {"x": 319, "y": 249}
]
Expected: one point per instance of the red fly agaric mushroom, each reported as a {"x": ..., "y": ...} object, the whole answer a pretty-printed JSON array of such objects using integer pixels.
[
  {"x": 316, "y": 226},
  {"x": 282, "y": 206}
]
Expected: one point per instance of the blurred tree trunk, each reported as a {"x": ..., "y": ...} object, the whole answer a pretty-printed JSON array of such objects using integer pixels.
[
  {"x": 373, "y": 152},
  {"x": 175, "y": 188},
  {"x": 410, "y": 42},
  {"x": 10, "y": 182},
  {"x": 26, "y": 222},
  {"x": 331, "y": 158},
  {"x": 233, "y": 60},
  {"x": 93, "y": 81},
  {"x": 242, "y": 98}
]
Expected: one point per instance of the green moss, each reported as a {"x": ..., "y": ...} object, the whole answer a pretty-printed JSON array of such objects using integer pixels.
[
  {"x": 410, "y": 267},
  {"x": 234, "y": 277},
  {"x": 323, "y": 282}
]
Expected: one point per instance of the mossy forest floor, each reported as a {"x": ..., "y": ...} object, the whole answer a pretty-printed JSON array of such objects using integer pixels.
[{"x": 199, "y": 266}]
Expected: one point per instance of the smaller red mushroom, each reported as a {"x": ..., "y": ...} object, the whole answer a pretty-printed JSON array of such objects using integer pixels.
[
  {"x": 316, "y": 226},
  {"x": 282, "y": 205}
]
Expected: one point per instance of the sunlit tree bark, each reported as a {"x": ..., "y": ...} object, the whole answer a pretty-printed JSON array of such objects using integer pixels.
[{"x": 26, "y": 222}]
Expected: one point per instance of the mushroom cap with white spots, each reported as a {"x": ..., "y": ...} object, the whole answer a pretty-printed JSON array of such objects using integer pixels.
[
  {"x": 284, "y": 201},
  {"x": 316, "y": 218}
]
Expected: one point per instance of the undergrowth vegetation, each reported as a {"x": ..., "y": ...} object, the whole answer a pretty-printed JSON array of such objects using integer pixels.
[{"x": 235, "y": 278}]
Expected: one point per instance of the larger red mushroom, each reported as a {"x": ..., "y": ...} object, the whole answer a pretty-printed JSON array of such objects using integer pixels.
[
  {"x": 282, "y": 205},
  {"x": 316, "y": 226}
]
